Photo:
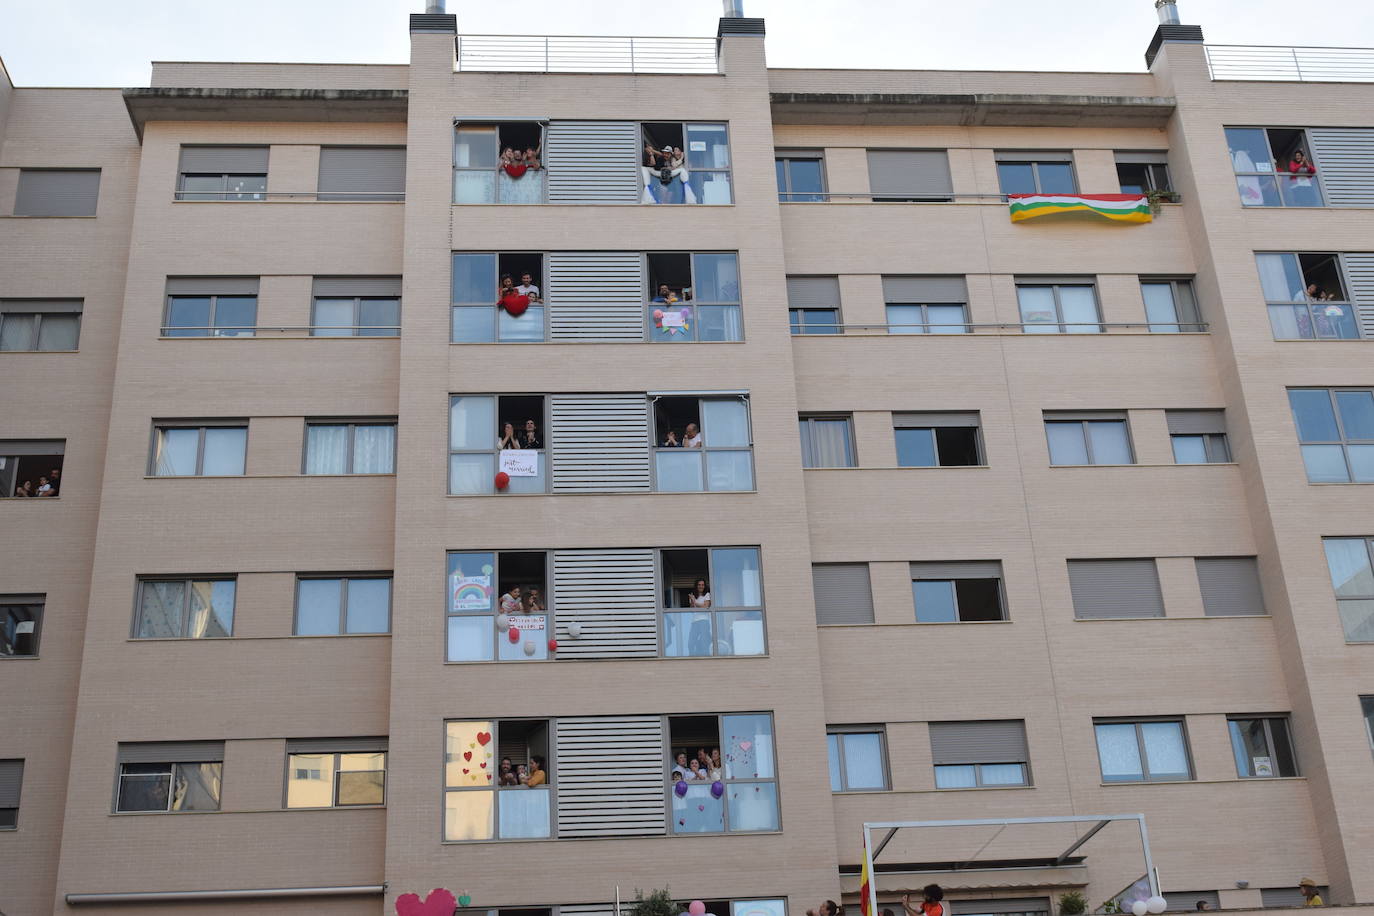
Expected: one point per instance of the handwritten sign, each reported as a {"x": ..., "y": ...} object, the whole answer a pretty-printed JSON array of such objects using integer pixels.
[
  {"x": 525, "y": 623},
  {"x": 520, "y": 462},
  {"x": 1264, "y": 766},
  {"x": 470, "y": 593},
  {"x": 674, "y": 320}
]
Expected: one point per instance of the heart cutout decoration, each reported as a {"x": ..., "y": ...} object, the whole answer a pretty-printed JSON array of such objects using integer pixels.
[
  {"x": 482, "y": 765},
  {"x": 515, "y": 304},
  {"x": 515, "y": 170},
  {"x": 745, "y": 745},
  {"x": 439, "y": 903},
  {"x": 465, "y": 769},
  {"x": 467, "y": 755},
  {"x": 484, "y": 738}
]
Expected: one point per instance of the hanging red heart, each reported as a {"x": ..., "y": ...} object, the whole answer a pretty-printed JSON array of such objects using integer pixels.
[
  {"x": 515, "y": 169},
  {"x": 515, "y": 304},
  {"x": 484, "y": 738},
  {"x": 467, "y": 755},
  {"x": 439, "y": 903},
  {"x": 482, "y": 765},
  {"x": 502, "y": 480}
]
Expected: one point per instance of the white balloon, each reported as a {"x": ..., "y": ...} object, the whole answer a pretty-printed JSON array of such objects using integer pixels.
[
  {"x": 503, "y": 622},
  {"x": 1156, "y": 904},
  {"x": 575, "y": 629},
  {"x": 529, "y": 647},
  {"x": 1139, "y": 908}
]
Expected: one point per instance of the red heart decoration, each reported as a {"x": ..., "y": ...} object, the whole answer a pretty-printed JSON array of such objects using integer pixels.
[
  {"x": 515, "y": 169},
  {"x": 484, "y": 738},
  {"x": 482, "y": 765},
  {"x": 488, "y": 777},
  {"x": 515, "y": 304},
  {"x": 467, "y": 755},
  {"x": 465, "y": 769},
  {"x": 439, "y": 903},
  {"x": 701, "y": 807}
]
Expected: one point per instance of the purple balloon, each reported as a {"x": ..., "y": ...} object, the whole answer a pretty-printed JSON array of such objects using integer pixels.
[
  {"x": 685, "y": 313},
  {"x": 717, "y": 788},
  {"x": 680, "y": 788}
]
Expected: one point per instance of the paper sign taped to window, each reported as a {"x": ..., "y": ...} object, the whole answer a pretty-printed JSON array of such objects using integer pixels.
[
  {"x": 520, "y": 462},
  {"x": 697, "y": 146},
  {"x": 470, "y": 593},
  {"x": 525, "y": 623},
  {"x": 674, "y": 320},
  {"x": 1264, "y": 766}
]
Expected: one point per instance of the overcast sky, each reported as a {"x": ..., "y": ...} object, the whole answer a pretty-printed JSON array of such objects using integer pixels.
[{"x": 111, "y": 42}]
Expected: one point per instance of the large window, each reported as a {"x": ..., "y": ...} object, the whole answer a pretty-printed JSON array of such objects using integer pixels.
[
  {"x": 702, "y": 443},
  {"x": 348, "y": 447},
  {"x": 958, "y": 592},
  {"x": 199, "y": 450},
  {"x": 1336, "y": 432},
  {"x": 237, "y": 173},
  {"x": 858, "y": 758},
  {"x": 498, "y": 606},
  {"x": 926, "y": 305},
  {"x": 1274, "y": 167},
  {"x": 11, "y": 787},
  {"x": 57, "y": 192},
  {"x": 184, "y": 608},
  {"x": 1198, "y": 436},
  {"x": 1352, "y": 578},
  {"x": 827, "y": 442},
  {"x": 1145, "y": 750},
  {"x": 1262, "y": 746},
  {"x": 497, "y": 780},
  {"x": 498, "y": 297},
  {"x": 21, "y": 624},
  {"x": 712, "y": 602},
  {"x": 930, "y": 440},
  {"x": 694, "y": 297},
  {"x": 733, "y": 750},
  {"x": 1141, "y": 173},
  {"x": 211, "y": 307},
  {"x": 1306, "y": 296},
  {"x": 499, "y": 163},
  {"x": 1170, "y": 306},
  {"x": 1037, "y": 172},
  {"x": 497, "y": 433},
  {"x": 356, "y": 307},
  {"x": 1052, "y": 307},
  {"x": 974, "y": 755},
  {"x": 1088, "y": 438},
  {"x": 801, "y": 176},
  {"x": 176, "y": 776},
  {"x": 31, "y": 467},
  {"x": 346, "y": 774},
  {"x": 39, "y": 325},
  {"x": 685, "y": 163},
  {"x": 342, "y": 606},
  {"x": 813, "y": 305}
]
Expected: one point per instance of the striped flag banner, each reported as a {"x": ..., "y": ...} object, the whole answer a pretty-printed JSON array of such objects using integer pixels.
[
  {"x": 865, "y": 884},
  {"x": 1124, "y": 208}
]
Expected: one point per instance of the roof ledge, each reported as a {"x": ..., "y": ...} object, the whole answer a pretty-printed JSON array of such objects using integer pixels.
[
  {"x": 995, "y": 109},
  {"x": 176, "y": 104}
]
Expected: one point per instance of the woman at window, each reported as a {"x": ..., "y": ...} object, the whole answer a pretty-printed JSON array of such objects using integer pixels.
[
  {"x": 691, "y": 436},
  {"x": 1300, "y": 188},
  {"x": 537, "y": 775},
  {"x": 717, "y": 768},
  {"x": 508, "y": 437},
  {"x": 530, "y": 437},
  {"x": 930, "y": 906},
  {"x": 24, "y": 489},
  {"x": 700, "y": 595}
]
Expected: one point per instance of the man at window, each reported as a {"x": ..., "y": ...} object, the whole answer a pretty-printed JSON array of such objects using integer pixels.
[
  {"x": 665, "y": 294},
  {"x": 527, "y": 287}
]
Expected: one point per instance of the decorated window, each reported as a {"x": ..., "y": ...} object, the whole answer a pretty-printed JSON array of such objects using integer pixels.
[
  {"x": 495, "y": 435},
  {"x": 685, "y": 163},
  {"x": 498, "y": 297},
  {"x": 498, "y": 606},
  {"x": 693, "y": 296},
  {"x": 712, "y": 602},
  {"x": 702, "y": 443},
  {"x": 1274, "y": 167},
  {"x": 498, "y": 163},
  {"x": 1306, "y": 294},
  {"x": 497, "y": 780},
  {"x": 728, "y": 779}
]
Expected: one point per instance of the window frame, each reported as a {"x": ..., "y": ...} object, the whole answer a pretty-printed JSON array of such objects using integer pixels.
[
  {"x": 1152, "y": 162},
  {"x": 978, "y": 782},
  {"x": 1036, "y": 158},
  {"x": 1000, "y": 579},
  {"x": 686, "y": 160},
  {"x": 37, "y": 606},
  {"x": 798, "y": 328},
  {"x": 806, "y": 423},
  {"x": 1345, "y": 442},
  {"x": 357, "y": 329},
  {"x": 1059, "y": 325},
  {"x": 161, "y": 427},
  {"x": 550, "y": 773},
  {"x": 925, "y": 325},
  {"x": 549, "y": 613},
  {"x": 978, "y": 445},
  {"x": 492, "y": 307},
  {"x": 344, "y": 579},
  {"x": 1258, "y": 175},
  {"x": 1311, "y": 305},
  {"x": 1353, "y": 599},
  {"x": 705, "y": 450},
  {"x": 1141, "y": 751},
  {"x": 337, "y": 772},
  {"x": 546, "y": 453},
  {"x": 212, "y": 329},
  {"x": 1367, "y": 709},
  {"x": 1216, "y": 448},
  {"x": 694, "y": 302},
  {"x": 495, "y": 168},
  {"x": 171, "y": 793},
  {"x": 1179, "y": 325},
  {"x": 34, "y": 309},
  {"x": 352, "y": 427},
  {"x": 714, "y": 610},
  {"x": 1063, "y": 418},
  {"x": 838, "y": 732},
  {"x": 187, "y": 582},
  {"x": 1271, "y": 745},
  {"x": 785, "y": 158},
  {"x": 774, "y": 780}
]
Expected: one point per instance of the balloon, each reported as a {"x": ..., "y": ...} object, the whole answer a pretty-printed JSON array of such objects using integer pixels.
[
  {"x": 529, "y": 647},
  {"x": 680, "y": 788},
  {"x": 717, "y": 788},
  {"x": 1139, "y": 908},
  {"x": 696, "y": 908},
  {"x": 687, "y": 313},
  {"x": 553, "y": 645},
  {"x": 502, "y": 480},
  {"x": 575, "y": 630},
  {"x": 658, "y": 314},
  {"x": 1156, "y": 904},
  {"x": 514, "y": 635},
  {"x": 465, "y": 900},
  {"x": 503, "y": 622}
]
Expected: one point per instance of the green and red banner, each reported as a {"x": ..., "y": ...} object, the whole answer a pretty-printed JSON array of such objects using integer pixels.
[{"x": 1124, "y": 208}]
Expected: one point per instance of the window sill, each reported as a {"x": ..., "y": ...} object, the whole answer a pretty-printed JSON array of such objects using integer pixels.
[
  {"x": 5, "y": 658},
  {"x": 1176, "y": 619},
  {"x": 39, "y": 216},
  {"x": 1142, "y": 464},
  {"x": 569, "y": 660},
  {"x": 163, "y": 813},
  {"x": 593, "y": 204},
  {"x": 1204, "y": 782},
  {"x": 882, "y": 792},
  {"x": 41, "y": 352},
  {"x": 212, "y": 639},
  {"x": 578, "y": 493},
  {"x": 899, "y": 467},
  {"x": 585, "y": 343}
]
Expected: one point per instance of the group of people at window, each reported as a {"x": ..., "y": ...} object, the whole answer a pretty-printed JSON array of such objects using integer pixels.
[
  {"x": 515, "y": 160},
  {"x": 522, "y": 600},
  {"x": 666, "y": 176},
  {"x": 520, "y": 774},
  {"x": 704, "y": 767},
  {"x": 527, "y": 437},
  {"x": 46, "y": 486}
]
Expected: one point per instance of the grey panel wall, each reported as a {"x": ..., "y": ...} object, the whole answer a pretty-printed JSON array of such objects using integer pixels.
[
  {"x": 599, "y": 443},
  {"x": 844, "y": 594},
  {"x": 1230, "y": 586},
  {"x": 922, "y": 290},
  {"x": 223, "y": 160},
  {"x": 595, "y": 296},
  {"x": 362, "y": 173},
  {"x": 1001, "y": 741},
  {"x": 1105, "y": 589},
  {"x": 57, "y": 192},
  {"x": 1345, "y": 165},
  {"x": 592, "y": 162},
  {"x": 172, "y": 752},
  {"x": 610, "y": 776},
  {"x": 611, "y": 594},
  {"x": 813, "y": 292},
  {"x": 909, "y": 173}
]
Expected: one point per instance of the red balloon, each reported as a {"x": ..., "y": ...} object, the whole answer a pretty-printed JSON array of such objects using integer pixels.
[
  {"x": 515, "y": 170},
  {"x": 513, "y": 634},
  {"x": 502, "y": 480},
  {"x": 553, "y": 645}
]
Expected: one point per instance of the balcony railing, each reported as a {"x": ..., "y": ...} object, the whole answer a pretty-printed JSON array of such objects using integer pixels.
[
  {"x": 1274, "y": 62},
  {"x": 1017, "y": 328},
  {"x": 586, "y": 54}
]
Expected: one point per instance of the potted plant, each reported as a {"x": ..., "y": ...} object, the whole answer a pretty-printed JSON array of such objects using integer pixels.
[
  {"x": 1072, "y": 904},
  {"x": 1157, "y": 197},
  {"x": 656, "y": 903}
]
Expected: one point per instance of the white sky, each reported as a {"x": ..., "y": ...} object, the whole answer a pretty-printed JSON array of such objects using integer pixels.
[{"x": 111, "y": 42}]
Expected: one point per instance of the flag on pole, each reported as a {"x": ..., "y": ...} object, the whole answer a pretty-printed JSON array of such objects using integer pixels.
[
  {"x": 865, "y": 879},
  {"x": 1125, "y": 208}
]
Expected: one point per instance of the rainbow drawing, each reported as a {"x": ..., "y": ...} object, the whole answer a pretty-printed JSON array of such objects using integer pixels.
[{"x": 471, "y": 593}]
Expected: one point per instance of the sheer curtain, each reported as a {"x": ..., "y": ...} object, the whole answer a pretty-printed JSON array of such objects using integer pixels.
[
  {"x": 825, "y": 444},
  {"x": 326, "y": 450},
  {"x": 374, "y": 449}
]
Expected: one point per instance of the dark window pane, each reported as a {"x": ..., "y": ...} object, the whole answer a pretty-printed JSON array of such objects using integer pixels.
[
  {"x": 1133, "y": 178},
  {"x": 362, "y": 788},
  {"x": 958, "y": 446},
  {"x": 189, "y": 313},
  {"x": 144, "y": 787},
  {"x": 1313, "y": 414},
  {"x": 979, "y": 599},
  {"x": 1285, "y": 765},
  {"x": 1016, "y": 177},
  {"x": 1056, "y": 178}
]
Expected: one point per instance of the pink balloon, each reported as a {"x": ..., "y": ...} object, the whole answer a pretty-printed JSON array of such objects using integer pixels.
[
  {"x": 696, "y": 908},
  {"x": 658, "y": 314}
]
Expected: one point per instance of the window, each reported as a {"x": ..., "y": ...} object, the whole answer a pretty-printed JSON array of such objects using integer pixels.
[
  {"x": 350, "y": 448},
  {"x": 342, "y": 606},
  {"x": 57, "y": 192},
  {"x": 346, "y": 773},
  {"x": 858, "y": 759},
  {"x": 1230, "y": 586},
  {"x": 478, "y": 316},
  {"x": 722, "y": 458},
  {"x": 1336, "y": 432},
  {"x": 171, "y": 776},
  {"x": 958, "y": 592},
  {"x": 694, "y": 297},
  {"x": 1274, "y": 167},
  {"x": 827, "y": 442},
  {"x": 21, "y": 623},
  {"x": 484, "y": 798},
  {"x": 1038, "y": 172},
  {"x": 1198, "y": 436},
  {"x": 813, "y": 305},
  {"x": 478, "y": 425},
  {"x": 926, "y": 305},
  {"x": 1351, "y": 577},
  {"x": 1052, "y": 307},
  {"x": 185, "y": 609},
  {"x": 937, "y": 440},
  {"x": 801, "y": 176},
  {"x": 748, "y": 801},
  {"x": 1141, "y": 173},
  {"x": 356, "y": 307},
  {"x": 1170, "y": 306},
  {"x": 497, "y": 606},
  {"x": 11, "y": 786},
  {"x": 728, "y": 618},
  {"x": 697, "y": 171},
  {"x": 973, "y": 755},
  {"x": 31, "y": 467},
  {"x": 236, "y": 173},
  {"x": 1262, "y": 747},
  {"x": 843, "y": 593},
  {"x": 1115, "y": 589},
  {"x": 1306, "y": 296},
  {"x": 1145, "y": 750},
  {"x": 211, "y": 307},
  {"x": 480, "y": 175},
  {"x": 1088, "y": 438},
  {"x": 199, "y": 451},
  {"x": 362, "y": 173},
  {"x": 912, "y": 176},
  {"x": 1367, "y": 707},
  {"x": 39, "y": 325}
]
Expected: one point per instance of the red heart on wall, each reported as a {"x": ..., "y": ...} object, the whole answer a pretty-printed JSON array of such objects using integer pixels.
[
  {"x": 467, "y": 755},
  {"x": 439, "y": 903},
  {"x": 484, "y": 738},
  {"x": 465, "y": 769},
  {"x": 482, "y": 765}
]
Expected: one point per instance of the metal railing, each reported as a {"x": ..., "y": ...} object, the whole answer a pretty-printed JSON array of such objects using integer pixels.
[
  {"x": 306, "y": 330},
  {"x": 260, "y": 196},
  {"x": 886, "y": 197},
  {"x": 586, "y": 54},
  {"x": 1276, "y": 62},
  {"x": 1029, "y": 329}
]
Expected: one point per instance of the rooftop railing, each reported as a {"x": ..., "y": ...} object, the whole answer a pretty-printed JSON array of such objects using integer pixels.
[
  {"x": 586, "y": 54},
  {"x": 1275, "y": 62}
]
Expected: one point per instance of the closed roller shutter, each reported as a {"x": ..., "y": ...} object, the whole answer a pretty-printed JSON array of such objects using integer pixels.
[
  {"x": 172, "y": 752},
  {"x": 843, "y": 593},
  {"x": 592, "y": 162},
  {"x": 356, "y": 286},
  {"x": 224, "y": 160},
  {"x": 1345, "y": 165},
  {"x": 212, "y": 286},
  {"x": 924, "y": 289},
  {"x": 336, "y": 745},
  {"x": 1195, "y": 422},
  {"x": 599, "y": 443},
  {"x": 1285, "y": 896},
  {"x": 611, "y": 594},
  {"x": 595, "y": 296},
  {"x": 813, "y": 292},
  {"x": 362, "y": 173},
  {"x": 57, "y": 192},
  {"x": 610, "y": 776},
  {"x": 47, "y": 306},
  {"x": 1359, "y": 269},
  {"x": 905, "y": 174},
  {"x": 1002, "y": 741},
  {"x": 11, "y": 782},
  {"x": 1104, "y": 589},
  {"x": 1230, "y": 586}
]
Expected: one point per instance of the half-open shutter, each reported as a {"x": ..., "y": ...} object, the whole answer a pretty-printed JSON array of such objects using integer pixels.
[
  {"x": 968, "y": 569},
  {"x": 224, "y": 160},
  {"x": 1195, "y": 422},
  {"x": 599, "y": 442},
  {"x": 843, "y": 593},
  {"x": 587, "y": 909},
  {"x": 356, "y": 286},
  {"x": 1002, "y": 741},
  {"x": 1345, "y": 164},
  {"x": 610, "y": 776},
  {"x": 595, "y": 296},
  {"x": 1230, "y": 586},
  {"x": 610, "y": 593},
  {"x": 592, "y": 162},
  {"x": 11, "y": 782},
  {"x": 362, "y": 173},
  {"x": 924, "y": 290},
  {"x": 909, "y": 174},
  {"x": 1285, "y": 896},
  {"x": 212, "y": 286},
  {"x": 57, "y": 192},
  {"x": 336, "y": 745},
  {"x": 935, "y": 419},
  {"x": 1359, "y": 268},
  {"x": 1105, "y": 589},
  {"x": 172, "y": 752},
  {"x": 21, "y": 447}
]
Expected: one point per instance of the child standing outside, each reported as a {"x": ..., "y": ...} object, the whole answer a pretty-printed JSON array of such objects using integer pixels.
[{"x": 930, "y": 906}]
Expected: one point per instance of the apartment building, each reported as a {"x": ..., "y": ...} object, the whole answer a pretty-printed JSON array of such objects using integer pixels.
[{"x": 802, "y": 452}]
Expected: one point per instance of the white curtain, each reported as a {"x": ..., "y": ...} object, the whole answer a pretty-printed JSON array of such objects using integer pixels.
[
  {"x": 825, "y": 443},
  {"x": 326, "y": 450},
  {"x": 374, "y": 449}
]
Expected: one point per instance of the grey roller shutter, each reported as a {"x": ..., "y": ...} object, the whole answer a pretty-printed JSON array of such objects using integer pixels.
[
  {"x": 336, "y": 745},
  {"x": 1105, "y": 589},
  {"x": 1033, "y": 155},
  {"x": 172, "y": 752},
  {"x": 1159, "y": 158},
  {"x": 47, "y": 306},
  {"x": 57, "y": 192},
  {"x": 813, "y": 292},
  {"x": 968, "y": 569},
  {"x": 595, "y": 296},
  {"x": 924, "y": 289},
  {"x": 1002, "y": 905},
  {"x": 212, "y": 286},
  {"x": 599, "y": 442},
  {"x": 1079, "y": 415},
  {"x": 592, "y": 162},
  {"x": 224, "y": 160},
  {"x": 11, "y": 782},
  {"x": 1195, "y": 422},
  {"x": 33, "y": 446},
  {"x": 610, "y": 776},
  {"x": 349, "y": 287},
  {"x": 611, "y": 594},
  {"x": 1186, "y": 901},
  {"x": 1359, "y": 270},
  {"x": 1002, "y": 741},
  {"x": 1285, "y": 896},
  {"x": 1345, "y": 165},
  {"x": 909, "y": 173},
  {"x": 843, "y": 593},
  {"x": 934, "y": 419},
  {"x": 1230, "y": 586},
  {"x": 362, "y": 173}
]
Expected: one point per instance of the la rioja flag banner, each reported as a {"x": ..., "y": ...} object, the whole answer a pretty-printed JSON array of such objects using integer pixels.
[
  {"x": 865, "y": 880},
  {"x": 1124, "y": 208}
]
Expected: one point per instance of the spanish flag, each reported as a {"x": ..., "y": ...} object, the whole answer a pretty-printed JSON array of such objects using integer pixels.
[
  {"x": 1124, "y": 208},
  {"x": 865, "y": 878}
]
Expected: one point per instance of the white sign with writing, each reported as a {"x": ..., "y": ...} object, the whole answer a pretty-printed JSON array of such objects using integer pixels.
[
  {"x": 520, "y": 462},
  {"x": 525, "y": 623},
  {"x": 697, "y": 146},
  {"x": 674, "y": 320},
  {"x": 1264, "y": 766},
  {"x": 470, "y": 593}
]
